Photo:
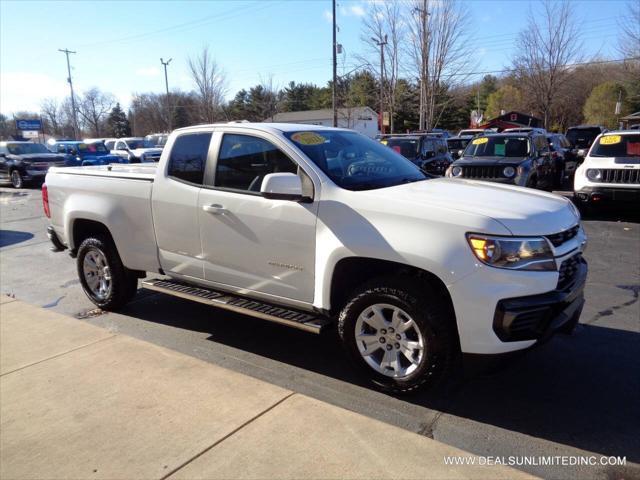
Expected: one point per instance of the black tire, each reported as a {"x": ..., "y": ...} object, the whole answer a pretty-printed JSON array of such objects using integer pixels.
[
  {"x": 429, "y": 312},
  {"x": 124, "y": 283},
  {"x": 16, "y": 179}
]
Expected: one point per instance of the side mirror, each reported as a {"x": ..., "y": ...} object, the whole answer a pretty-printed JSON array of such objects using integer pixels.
[{"x": 282, "y": 186}]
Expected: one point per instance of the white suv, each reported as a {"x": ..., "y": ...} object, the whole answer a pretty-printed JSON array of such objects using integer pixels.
[{"x": 611, "y": 170}]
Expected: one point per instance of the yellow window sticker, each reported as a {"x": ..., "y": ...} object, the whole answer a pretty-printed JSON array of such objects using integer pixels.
[
  {"x": 480, "y": 141},
  {"x": 610, "y": 140},
  {"x": 384, "y": 142},
  {"x": 82, "y": 146},
  {"x": 308, "y": 138}
]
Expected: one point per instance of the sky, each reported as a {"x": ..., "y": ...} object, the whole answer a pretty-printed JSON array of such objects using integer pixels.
[{"x": 119, "y": 43}]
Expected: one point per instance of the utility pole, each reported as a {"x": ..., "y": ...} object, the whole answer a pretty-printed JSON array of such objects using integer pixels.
[
  {"x": 335, "y": 70},
  {"x": 381, "y": 43},
  {"x": 166, "y": 85},
  {"x": 424, "y": 63},
  {"x": 73, "y": 100}
]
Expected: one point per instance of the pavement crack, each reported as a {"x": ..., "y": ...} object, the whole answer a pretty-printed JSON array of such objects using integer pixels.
[
  {"x": 233, "y": 432},
  {"x": 57, "y": 355}
]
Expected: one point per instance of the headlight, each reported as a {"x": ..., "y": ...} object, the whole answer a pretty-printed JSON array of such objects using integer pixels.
[
  {"x": 456, "y": 171},
  {"x": 527, "y": 253},
  {"x": 594, "y": 174},
  {"x": 509, "y": 172}
]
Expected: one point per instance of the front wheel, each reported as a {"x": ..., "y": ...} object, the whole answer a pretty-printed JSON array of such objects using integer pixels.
[
  {"x": 16, "y": 179},
  {"x": 105, "y": 280},
  {"x": 399, "y": 334}
]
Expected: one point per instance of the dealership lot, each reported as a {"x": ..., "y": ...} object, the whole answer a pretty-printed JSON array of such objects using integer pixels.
[{"x": 573, "y": 396}]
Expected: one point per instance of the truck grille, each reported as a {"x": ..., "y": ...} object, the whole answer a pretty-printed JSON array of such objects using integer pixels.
[
  {"x": 479, "y": 171},
  {"x": 558, "y": 239},
  {"x": 568, "y": 271},
  {"x": 620, "y": 175}
]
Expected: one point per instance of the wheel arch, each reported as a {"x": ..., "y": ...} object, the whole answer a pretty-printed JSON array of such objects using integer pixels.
[{"x": 351, "y": 272}]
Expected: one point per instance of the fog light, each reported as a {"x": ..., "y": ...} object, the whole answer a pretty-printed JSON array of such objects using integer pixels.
[
  {"x": 456, "y": 171},
  {"x": 509, "y": 172}
]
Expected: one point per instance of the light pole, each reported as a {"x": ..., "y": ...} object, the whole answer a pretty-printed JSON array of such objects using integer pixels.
[
  {"x": 166, "y": 85},
  {"x": 73, "y": 100},
  {"x": 381, "y": 43}
]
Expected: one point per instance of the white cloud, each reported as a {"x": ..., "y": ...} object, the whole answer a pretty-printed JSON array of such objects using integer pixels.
[
  {"x": 25, "y": 91},
  {"x": 328, "y": 16},
  {"x": 357, "y": 10},
  {"x": 148, "y": 72}
]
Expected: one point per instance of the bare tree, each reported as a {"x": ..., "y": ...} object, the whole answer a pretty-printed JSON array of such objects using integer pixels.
[
  {"x": 384, "y": 20},
  {"x": 440, "y": 52},
  {"x": 51, "y": 111},
  {"x": 210, "y": 85},
  {"x": 94, "y": 107},
  {"x": 629, "y": 43},
  {"x": 548, "y": 46}
]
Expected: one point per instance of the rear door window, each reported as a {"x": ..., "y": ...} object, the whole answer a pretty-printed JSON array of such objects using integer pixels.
[{"x": 189, "y": 157}]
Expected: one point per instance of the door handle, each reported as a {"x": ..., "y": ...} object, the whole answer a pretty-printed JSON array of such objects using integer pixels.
[{"x": 215, "y": 209}]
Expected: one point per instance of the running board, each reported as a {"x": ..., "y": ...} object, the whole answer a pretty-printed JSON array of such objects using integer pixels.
[{"x": 292, "y": 318}]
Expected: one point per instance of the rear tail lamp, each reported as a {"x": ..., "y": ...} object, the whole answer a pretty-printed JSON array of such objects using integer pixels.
[{"x": 45, "y": 201}]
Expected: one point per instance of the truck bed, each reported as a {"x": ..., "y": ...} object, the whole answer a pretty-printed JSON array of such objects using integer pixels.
[
  {"x": 136, "y": 171},
  {"x": 117, "y": 196}
]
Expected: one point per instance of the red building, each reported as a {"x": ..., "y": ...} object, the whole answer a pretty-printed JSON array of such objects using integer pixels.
[{"x": 512, "y": 120}]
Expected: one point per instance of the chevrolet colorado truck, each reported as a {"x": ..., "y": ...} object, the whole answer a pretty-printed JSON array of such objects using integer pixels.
[{"x": 311, "y": 227}]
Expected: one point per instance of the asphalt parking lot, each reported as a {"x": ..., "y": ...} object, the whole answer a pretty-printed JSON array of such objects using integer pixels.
[{"x": 576, "y": 395}]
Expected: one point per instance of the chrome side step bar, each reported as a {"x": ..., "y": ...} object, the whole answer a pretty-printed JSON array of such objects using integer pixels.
[{"x": 285, "y": 316}]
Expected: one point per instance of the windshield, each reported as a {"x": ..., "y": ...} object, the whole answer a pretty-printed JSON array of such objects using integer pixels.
[
  {"x": 407, "y": 147},
  {"x": 26, "y": 148},
  {"x": 139, "y": 143},
  {"x": 457, "y": 144},
  {"x": 498, "y": 147},
  {"x": 582, "y": 137},
  {"x": 88, "y": 148},
  {"x": 617, "y": 146},
  {"x": 355, "y": 162},
  {"x": 155, "y": 140}
]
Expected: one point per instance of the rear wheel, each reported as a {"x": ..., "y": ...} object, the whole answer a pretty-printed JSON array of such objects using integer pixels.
[
  {"x": 398, "y": 334},
  {"x": 105, "y": 280},
  {"x": 16, "y": 179}
]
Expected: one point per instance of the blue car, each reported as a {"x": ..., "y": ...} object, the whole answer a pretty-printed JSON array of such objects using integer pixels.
[{"x": 79, "y": 154}]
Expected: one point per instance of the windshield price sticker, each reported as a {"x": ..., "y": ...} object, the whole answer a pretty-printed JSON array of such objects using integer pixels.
[
  {"x": 610, "y": 140},
  {"x": 308, "y": 138},
  {"x": 480, "y": 141}
]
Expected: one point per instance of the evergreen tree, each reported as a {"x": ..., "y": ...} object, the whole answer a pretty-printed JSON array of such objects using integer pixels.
[{"x": 118, "y": 123}]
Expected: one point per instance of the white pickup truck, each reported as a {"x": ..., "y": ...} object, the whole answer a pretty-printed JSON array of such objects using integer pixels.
[{"x": 310, "y": 226}]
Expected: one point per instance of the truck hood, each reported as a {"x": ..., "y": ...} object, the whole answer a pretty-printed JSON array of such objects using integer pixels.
[
  {"x": 39, "y": 157},
  {"x": 489, "y": 161},
  {"x": 523, "y": 211},
  {"x": 612, "y": 162},
  {"x": 139, "y": 151}
]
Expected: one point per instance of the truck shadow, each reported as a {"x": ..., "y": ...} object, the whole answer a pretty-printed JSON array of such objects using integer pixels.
[{"x": 582, "y": 391}]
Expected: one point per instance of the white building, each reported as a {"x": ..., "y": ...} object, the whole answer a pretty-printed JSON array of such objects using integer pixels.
[{"x": 363, "y": 120}]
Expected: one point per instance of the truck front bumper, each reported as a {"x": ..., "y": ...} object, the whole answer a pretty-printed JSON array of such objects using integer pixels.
[
  {"x": 537, "y": 317},
  {"x": 501, "y": 310}
]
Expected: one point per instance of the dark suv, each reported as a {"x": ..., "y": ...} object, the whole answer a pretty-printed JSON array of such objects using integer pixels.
[
  {"x": 515, "y": 158},
  {"x": 582, "y": 136},
  {"x": 22, "y": 162},
  {"x": 429, "y": 152}
]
